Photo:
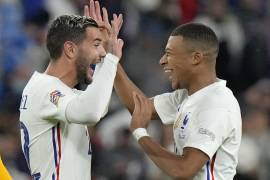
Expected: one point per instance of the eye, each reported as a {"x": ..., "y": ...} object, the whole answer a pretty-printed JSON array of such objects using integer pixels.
[{"x": 97, "y": 44}]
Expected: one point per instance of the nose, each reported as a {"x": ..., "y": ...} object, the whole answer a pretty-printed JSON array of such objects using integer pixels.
[
  {"x": 163, "y": 60},
  {"x": 101, "y": 52}
]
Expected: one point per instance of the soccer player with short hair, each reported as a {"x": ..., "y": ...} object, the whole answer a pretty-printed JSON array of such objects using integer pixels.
[
  {"x": 53, "y": 115},
  {"x": 204, "y": 113}
]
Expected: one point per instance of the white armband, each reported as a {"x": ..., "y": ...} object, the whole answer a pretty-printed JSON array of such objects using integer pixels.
[{"x": 139, "y": 133}]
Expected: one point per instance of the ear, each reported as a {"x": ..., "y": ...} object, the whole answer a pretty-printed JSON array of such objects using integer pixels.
[
  {"x": 70, "y": 49},
  {"x": 197, "y": 58}
]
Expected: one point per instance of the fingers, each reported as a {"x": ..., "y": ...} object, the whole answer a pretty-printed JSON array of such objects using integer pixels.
[
  {"x": 120, "y": 21},
  {"x": 145, "y": 104},
  {"x": 86, "y": 11},
  {"x": 92, "y": 10},
  {"x": 139, "y": 101},
  {"x": 97, "y": 10},
  {"x": 120, "y": 44},
  {"x": 136, "y": 102},
  {"x": 116, "y": 24},
  {"x": 114, "y": 28},
  {"x": 106, "y": 18}
]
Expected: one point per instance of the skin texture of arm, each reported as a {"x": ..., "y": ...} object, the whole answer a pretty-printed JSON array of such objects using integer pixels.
[
  {"x": 181, "y": 167},
  {"x": 124, "y": 88}
]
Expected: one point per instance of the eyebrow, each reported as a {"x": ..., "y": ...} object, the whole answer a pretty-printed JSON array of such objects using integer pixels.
[
  {"x": 167, "y": 50},
  {"x": 97, "y": 39}
]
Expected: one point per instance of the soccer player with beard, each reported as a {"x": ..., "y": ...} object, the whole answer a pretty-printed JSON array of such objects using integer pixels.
[{"x": 53, "y": 115}]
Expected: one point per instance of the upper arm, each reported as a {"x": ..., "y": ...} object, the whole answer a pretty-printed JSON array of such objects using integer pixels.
[
  {"x": 166, "y": 106},
  {"x": 194, "y": 159},
  {"x": 54, "y": 104}
]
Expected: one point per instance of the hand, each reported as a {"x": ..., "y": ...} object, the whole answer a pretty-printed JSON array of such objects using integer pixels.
[
  {"x": 109, "y": 31},
  {"x": 142, "y": 113}
]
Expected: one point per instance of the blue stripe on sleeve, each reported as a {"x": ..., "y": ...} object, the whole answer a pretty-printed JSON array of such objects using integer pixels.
[
  {"x": 54, "y": 146},
  {"x": 207, "y": 166},
  {"x": 26, "y": 143}
]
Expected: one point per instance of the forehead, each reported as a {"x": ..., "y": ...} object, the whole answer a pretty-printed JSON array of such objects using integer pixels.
[
  {"x": 93, "y": 33},
  {"x": 175, "y": 44}
]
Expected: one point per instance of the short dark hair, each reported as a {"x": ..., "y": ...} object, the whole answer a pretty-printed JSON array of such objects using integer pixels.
[
  {"x": 202, "y": 35},
  {"x": 67, "y": 28}
]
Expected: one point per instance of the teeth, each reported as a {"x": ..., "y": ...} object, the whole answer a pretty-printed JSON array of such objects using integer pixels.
[{"x": 168, "y": 71}]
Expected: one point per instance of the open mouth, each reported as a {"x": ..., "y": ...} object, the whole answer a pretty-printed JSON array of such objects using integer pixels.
[
  {"x": 91, "y": 70},
  {"x": 168, "y": 72}
]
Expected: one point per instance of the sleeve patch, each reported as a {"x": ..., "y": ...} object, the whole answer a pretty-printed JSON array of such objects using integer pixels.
[{"x": 55, "y": 96}]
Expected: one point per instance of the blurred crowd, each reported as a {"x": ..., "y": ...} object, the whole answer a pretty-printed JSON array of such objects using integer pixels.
[{"x": 242, "y": 27}]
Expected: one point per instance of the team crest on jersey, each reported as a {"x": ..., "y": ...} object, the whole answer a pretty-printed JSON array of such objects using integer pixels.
[
  {"x": 184, "y": 122},
  {"x": 55, "y": 96}
]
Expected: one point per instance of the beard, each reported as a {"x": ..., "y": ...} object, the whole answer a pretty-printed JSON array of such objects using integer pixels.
[{"x": 82, "y": 68}]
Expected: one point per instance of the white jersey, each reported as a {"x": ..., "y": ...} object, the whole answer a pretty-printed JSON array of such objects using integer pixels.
[
  {"x": 209, "y": 120},
  {"x": 56, "y": 144}
]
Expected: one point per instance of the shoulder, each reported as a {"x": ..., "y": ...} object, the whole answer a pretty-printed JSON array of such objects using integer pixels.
[
  {"x": 222, "y": 98},
  {"x": 43, "y": 89},
  {"x": 42, "y": 84},
  {"x": 176, "y": 95}
]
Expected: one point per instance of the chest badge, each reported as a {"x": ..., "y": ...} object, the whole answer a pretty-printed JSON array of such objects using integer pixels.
[{"x": 184, "y": 122}]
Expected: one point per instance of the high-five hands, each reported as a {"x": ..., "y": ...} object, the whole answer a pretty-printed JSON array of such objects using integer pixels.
[
  {"x": 110, "y": 32},
  {"x": 142, "y": 113}
]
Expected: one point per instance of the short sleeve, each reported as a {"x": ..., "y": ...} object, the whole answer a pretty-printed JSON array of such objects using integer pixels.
[
  {"x": 209, "y": 129},
  {"x": 166, "y": 105}
]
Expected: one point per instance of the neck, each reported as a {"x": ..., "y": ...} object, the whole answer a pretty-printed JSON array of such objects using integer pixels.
[
  {"x": 63, "y": 70},
  {"x": 200, "y": 81}
]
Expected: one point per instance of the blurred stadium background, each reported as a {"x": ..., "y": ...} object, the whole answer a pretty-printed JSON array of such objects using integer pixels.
[{"x": 242, "y": 26}]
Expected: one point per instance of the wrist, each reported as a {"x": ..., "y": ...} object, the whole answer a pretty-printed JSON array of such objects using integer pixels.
[{"x": 139, "y": 133}]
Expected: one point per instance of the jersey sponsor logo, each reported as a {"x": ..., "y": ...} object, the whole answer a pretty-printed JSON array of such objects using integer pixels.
[
  {"x": 55, "y": 96},
  {"x": 208, "y": 133}
]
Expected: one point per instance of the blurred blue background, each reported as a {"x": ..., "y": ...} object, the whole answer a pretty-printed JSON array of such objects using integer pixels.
[{"x": 242, "y": 27}]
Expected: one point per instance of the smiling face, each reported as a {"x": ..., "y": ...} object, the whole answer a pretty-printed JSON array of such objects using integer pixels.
[
  {"x": 177, "y": 62},
  {"x": 90, "y": 51}
]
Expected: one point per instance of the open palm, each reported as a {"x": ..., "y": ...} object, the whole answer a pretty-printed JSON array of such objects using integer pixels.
[{"x": 109, "y": 31}]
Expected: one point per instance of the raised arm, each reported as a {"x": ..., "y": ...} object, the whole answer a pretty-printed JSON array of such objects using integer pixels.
[
  {"x": 93, "y": 102},
  {"x": 124, "y": 88},
  {"x": 122, "y": 84}
]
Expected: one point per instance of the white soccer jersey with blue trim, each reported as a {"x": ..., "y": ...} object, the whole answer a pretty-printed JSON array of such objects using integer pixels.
[
  {"x": 54, "y": 148},
  {"x": 53, "y": 120},
  {"x": 209, "y": 120}
]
